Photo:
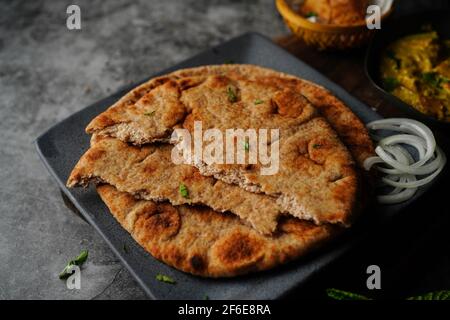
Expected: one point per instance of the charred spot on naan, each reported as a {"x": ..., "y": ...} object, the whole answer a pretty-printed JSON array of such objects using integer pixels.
[
  {"x": 198, "y": 263},
  {"x": 239, "y": 251},
  {"x": 190, "y": 82},
  {"x": 157, "y": 221},
  {"x": 290, "y": 104}
]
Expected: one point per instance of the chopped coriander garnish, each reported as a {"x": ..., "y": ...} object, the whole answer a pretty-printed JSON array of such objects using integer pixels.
[
  {"x": 390, "y": 83},
  {"x": 258, "y": 101},
  {"x": 231, "y": 91},
  {"x": 78, "y": 261},
  {"x": 311, "y": 14},
  {"x": 344, "y": 295},
  {"x": 431, "y": 78},
  {"x": 316, "y": 145},
  {"x": 164, "y": 278},
  {"x": 436, "y": 295},
  {"x": 246, "y": 146},
  {"x": 151, "y": 113},
  {"x": 434, "y": 79},
  {"x": 183, "y": 191}
]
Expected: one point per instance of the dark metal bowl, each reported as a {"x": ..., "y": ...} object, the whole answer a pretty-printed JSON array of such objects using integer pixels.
[{"x": 393, "y": 30}]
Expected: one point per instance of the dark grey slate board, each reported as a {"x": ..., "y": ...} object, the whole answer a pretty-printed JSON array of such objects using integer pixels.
[{"x": 62, "y": 145}]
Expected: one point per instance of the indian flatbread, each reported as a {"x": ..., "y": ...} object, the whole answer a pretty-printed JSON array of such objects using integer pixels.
[
  {"x": 203, "y": 242},
  {"x": 148, "y": 172},
  {"x": 316, "y": 179},
  {"x": 349, "y": 127}
]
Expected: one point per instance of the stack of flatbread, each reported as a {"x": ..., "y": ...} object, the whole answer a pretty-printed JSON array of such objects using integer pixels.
[{"x": 221, "y": 220}]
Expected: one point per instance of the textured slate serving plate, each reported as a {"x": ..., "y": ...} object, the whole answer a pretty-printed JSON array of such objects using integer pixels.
[{"x": 62, "y": 145}]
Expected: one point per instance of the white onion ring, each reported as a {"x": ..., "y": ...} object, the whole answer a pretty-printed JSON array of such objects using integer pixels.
[
  {"x": 398, "y": 194},
  {"x": 408, "y": 126},
  {"x": 398, "y": 164}
]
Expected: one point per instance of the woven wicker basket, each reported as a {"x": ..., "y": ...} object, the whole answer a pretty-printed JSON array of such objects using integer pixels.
[{"x": 325, "y": 36}]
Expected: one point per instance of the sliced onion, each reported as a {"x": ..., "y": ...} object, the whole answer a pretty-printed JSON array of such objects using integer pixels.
[
  {"x": 415, "y": 184},
  {"x": 396, "y": 161},
  {"x": 408, "y": 126},
  {"x": 398, "y": 194},
  {"x": 414, "y": 141}
]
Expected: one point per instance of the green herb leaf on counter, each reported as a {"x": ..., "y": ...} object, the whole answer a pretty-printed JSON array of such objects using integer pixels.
[
  {"x": 164, "y": 278},
  {"x": 231, "y": 92},
  {"x": 390, "y": 83},
  {"x": 258, "y": 101},
  {"x": 151, "y": 113},
  {"x": 436, "y": 295},
  {"x": 344, "y": 295},
  {"x": 184, "y": 192},
  {"x": 311, "y": 14},
  {"x": 78, "y": 261}
]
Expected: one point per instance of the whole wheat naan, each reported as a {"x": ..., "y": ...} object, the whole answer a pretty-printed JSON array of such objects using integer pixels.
[
  {"x": 201, "y": 241},
  {"x": 316, "y": 180}
]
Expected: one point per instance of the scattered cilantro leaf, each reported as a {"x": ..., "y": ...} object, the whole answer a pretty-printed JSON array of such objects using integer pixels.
[
  {"x": 164, "y": 278},
  {"x": 183, "y": 191},
  {"x": 344, "y": 295},
  {"x": 258, "y": 101},
  {"x": 316, "y": 145},
  {"x": 231, "y": 92},
  {"x": 151, "y": 113},
  {"x": 311, "y": 14},
  {"x": 436, "y": 295},
  {"x": 78, "y": 261}
]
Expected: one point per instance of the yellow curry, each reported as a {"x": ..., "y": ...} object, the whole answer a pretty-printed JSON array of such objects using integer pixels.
[{"x": 416, "y": 69}]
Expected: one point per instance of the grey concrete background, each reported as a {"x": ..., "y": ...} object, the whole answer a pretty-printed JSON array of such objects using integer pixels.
[{"x": 48, "y": 72}]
